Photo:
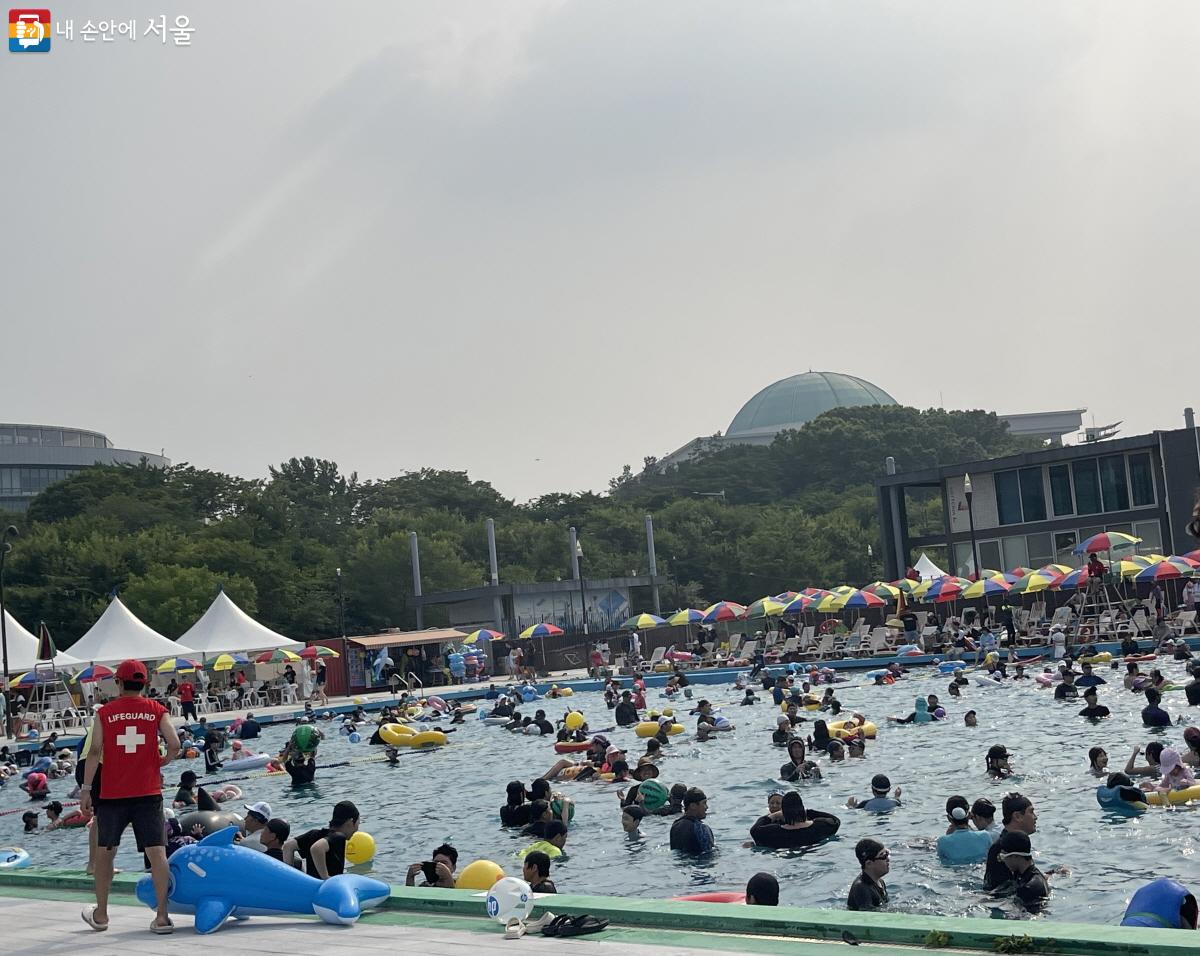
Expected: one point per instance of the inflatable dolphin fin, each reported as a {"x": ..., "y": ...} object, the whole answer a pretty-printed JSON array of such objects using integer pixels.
[
  {"x": 211, "y": 914},
  {"x": 221, "y": 837},
  {"x": 341, "y": 899}
]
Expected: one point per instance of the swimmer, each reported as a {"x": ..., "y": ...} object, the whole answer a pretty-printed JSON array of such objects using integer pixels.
[
  {"x": 798, "y": 767},
  {"x": 749, "y": 699},
  {"x": 953, "y": 690},
  {"x": 820, "y": 738},
  {"x": 1176, "y": 775},
  {"x": 970, "y": 719},
  {"x": 1191, "y": 737},
  {"x": 856, "y": 748},
  {"x": 1098, "y": 762},
  {"x": 836, "y": 751},
  {"x": 653, "y": 752},
  {"x": 879, "y": 801},
  {"x": 1150, "y": 768},
  {"x": 1094, "y": 710},
  {"x": 998, "y": 766}
]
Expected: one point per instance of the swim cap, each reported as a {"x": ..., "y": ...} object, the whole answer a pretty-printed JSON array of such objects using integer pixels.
[{"x": 654, "y": 794}]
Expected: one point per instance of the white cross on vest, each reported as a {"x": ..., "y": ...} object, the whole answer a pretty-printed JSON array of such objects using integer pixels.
[{"x": 131, "y": 739}]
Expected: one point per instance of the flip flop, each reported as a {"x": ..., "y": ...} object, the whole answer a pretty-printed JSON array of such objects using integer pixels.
[
  {"x": 574, "y": 925},
  {"x": 89, "y": 917},
  {"x": 161, "y": 930}
]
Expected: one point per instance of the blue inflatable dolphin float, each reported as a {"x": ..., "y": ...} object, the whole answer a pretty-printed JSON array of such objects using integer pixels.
[{"x": 215, "y": 879}]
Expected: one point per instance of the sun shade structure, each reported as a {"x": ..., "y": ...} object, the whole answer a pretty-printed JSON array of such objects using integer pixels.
[
  {"x": 225, "y": 627},
  {"x": 23, "y": 648},
  {"x": 119, "y": 635}
]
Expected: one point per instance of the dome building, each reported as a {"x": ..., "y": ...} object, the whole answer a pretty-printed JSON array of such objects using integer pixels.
[{"x": 792, "y": 402}]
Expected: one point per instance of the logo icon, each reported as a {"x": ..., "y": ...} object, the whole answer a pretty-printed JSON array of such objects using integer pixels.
[{"x": 29, "y": 31}]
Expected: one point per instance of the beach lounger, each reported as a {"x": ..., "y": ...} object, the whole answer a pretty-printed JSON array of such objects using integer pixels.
[
  {"x": 655, "y": 658},
  {"x": 1183, "y": 622},
  {"x": 824, "y": 648}
]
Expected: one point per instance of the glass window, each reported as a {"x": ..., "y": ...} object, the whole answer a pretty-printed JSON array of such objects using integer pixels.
[
  {"x": 989, "y": 555},
  {"x": 964, "y": 565},
  {"x": 1041, "y": 549},
  {"x": 1060, "y": 490},
  {"x": 71, "y": 439},
  {"x": 1087, "y": 486},
  {"x": 1008, "y": 497},
  {"x": 52, "y": 436},
  {"x": 1016, "y": 553},
  {"x": 6, "y": 435},
  {"x": 1064, "y": 545},
  {"x": 86, "y": 440},
  {"x": 29, "y": 436},
  {"x": 1141, "y": 480},
  {"x": 1033, "y": 495},
  {"x": 1113, "y": 483},
  {"x": 1124, "y": 528},
  {"x": 1151, "y": 535}
]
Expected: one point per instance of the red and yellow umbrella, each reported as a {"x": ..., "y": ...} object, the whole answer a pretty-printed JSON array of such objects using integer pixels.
[{"x": 724, "y": 611}]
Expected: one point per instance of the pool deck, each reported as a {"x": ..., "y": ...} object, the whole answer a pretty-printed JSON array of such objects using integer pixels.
[{"x": 40, "y": 914}]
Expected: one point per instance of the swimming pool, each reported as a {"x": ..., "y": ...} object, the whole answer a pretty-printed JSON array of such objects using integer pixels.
[{"x": 454, "y": 795}]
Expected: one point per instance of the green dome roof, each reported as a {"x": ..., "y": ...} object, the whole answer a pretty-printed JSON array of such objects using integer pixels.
[{"x": 791, "y": 402}]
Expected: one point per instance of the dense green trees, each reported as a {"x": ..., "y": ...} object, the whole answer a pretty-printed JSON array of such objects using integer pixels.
[{"x": 798, "y": 512}]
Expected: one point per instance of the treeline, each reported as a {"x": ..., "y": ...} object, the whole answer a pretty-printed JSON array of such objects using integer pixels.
[{"x": 798, "y": 512}]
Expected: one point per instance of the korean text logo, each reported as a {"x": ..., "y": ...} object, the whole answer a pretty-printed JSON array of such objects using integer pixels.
[{"x": 29, "y": 31}]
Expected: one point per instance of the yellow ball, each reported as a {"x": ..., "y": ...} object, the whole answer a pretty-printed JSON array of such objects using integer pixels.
[
  {"x": 574, "y": 720},
  {"x": 668, "y": 712},
  {"x": 360, "y": 848},
  {"x": 479, "y": 875}
]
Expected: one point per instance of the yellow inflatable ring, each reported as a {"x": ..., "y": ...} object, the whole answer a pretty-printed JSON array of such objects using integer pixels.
[
  {"x": 414, "y": 712},
  {"x": 398, "y": 735},
  {"x": 839, "y": 729},
  {"x": 649, "y": 728},
  {"x": 566, "y": 692},
  {"x": 427, "y": 738},
  {"x": 1156, "y": 798},
  {"x": 1101, "y": 658}
]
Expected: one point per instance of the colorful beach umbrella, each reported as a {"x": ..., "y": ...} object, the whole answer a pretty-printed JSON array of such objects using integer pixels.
[
  {"x": 1184, "y": 559},
  {"x": 174, "y": 665},
  {"x": 948, "y": 588},
  {"x": 278, "y": 656},
  {"x": 483, "y": 634},
  {"x": 227, "y": 662},
  {"x": 1163, "y": 571},
  {"x": 907, "y": 585},
  {"x": 859, "y": 600},
  {"x": 783, "y": 597},
  {"x": 545, "y": 629},
  {"x": 1193, "y": 555},
  {"x": 881, "y": 589},
  {"x": 686, "y": 615},
  {"x": 996, "y": 584},
  {"x": 765, "y": 607},
  {"x": 1074, "y": 579},
  {"x": 640, "y": 622},
  {"x": 1106, "y": 541},
  {"x": 1020, "y": 571},
  {"x": 799, "y": 604},
  {"x": 313, "y": 651},
  {"x": 29, "y": 678},
  {"x": 724, "y": 611},
  {"x": 829, "y": 604},
  {"x": 1056, "y": 570},
  {"x": 1127, "y": 568},
  {"x": 1037, "y": 581},
  {"x": 91, "y": 674}
]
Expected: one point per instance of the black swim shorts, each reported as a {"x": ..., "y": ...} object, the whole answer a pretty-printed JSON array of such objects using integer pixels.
[{"x": 144, "y": 813}]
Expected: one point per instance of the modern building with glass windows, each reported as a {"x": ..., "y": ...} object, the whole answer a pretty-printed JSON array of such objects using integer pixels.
[
  {"x": 33, "y": 457},
  {"x": 1033, "y": 509}
]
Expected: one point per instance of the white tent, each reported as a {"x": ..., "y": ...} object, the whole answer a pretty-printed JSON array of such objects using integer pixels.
[
  {"x": 23, "y": 648},
  {"x": 119, "y": 635},
  {"x": 927, "y": 569},
  {"x": 226, "y": 628}
]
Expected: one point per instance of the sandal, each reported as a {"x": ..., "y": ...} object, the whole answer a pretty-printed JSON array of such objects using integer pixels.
[
  {"x": 89, "y": 917},
  {"x": 574, "y": 925},
  {"x": 161, "y": 930}
]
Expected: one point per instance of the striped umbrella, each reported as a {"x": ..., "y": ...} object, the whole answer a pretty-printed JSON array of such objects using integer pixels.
[
  {"x": 889, "y": 592},
  {"x": 640, "y": 622},
  {"x": 1056, "y": 570},
  {"x": 545, "y": 629},
  {"x": 1106, "y": 541},
  {"x": 1127, "y": 568},
  {"x": 1020, "y": 571},
  {"x": 174, "y": 665},
  {"x": 988, "y": 573},
  {"x": 783, "y": 597},
  {"x": 313, "y": 651},
  {"x": 860, "y": 600},
  {"x": 799, "y": 604},
  {"x": 765, "y": 607},
  {"x": 92, "y": 674},
  {"x": 1184, "y": 559},
  {"x": 29, "y": 678},
  {"x": 687, "y": 615},
  {"x": 1075, "y": 579},
  {"x": 1193, "y": 555},
  {"x": 227, "y": 662},
  {"x": 1038, "y": 581},
  {"x": 948, "y": 588},
  {"x": 1163, "y": 571},
  {"x": 829, "y": 604},
  {"x": 483, "y": 634},
  {"x": 987, "y": 587},
  {"x": 724, "y": 611},
  {"x": 907, "y": 585},
  {"x": 278, "y": 656}
]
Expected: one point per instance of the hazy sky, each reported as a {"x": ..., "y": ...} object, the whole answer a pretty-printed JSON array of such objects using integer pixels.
[{"x": 539, "y": 240}]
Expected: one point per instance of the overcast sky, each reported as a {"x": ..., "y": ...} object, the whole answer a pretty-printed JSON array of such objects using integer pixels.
[{"x": 539, "y": 240}]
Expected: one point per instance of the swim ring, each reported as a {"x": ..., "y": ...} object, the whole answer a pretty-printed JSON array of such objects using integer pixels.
[
  {"x": 493, "y": 721},
  {"x": 947, "y": 667},
  {"x": 396, "y": 734},
  {"x": 840, "y": 729},
  {"x": 726, "y": 897},
  {"x": 427, "y": 738},
  {"x": 568, "y": 747},
  {"x": 988, "y": 682},
  {"x": 1102, "y": 658},
  {"x": 1156, "y": 798},
  {"x": 529, "y": 694},
  {"x": 14, "y": 858},
  {"x": 437, "y": 703},
  {"x": 649, "y": 728},
  {"x": 252, "y": 762}
]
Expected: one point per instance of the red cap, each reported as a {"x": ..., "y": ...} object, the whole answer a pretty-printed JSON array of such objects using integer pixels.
[{"x": 131, "y": 670}]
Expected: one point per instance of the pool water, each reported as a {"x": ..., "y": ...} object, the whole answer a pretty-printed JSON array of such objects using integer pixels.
[{"x": 454, "y": 795}]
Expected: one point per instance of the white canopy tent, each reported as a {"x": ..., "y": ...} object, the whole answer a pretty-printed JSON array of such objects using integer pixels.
[
  {"x": 23, "y": 648},
  {"x": 119, "y": 635},
  {"x": 226, "y": 628},
  {"x": 927, "y": 569}
]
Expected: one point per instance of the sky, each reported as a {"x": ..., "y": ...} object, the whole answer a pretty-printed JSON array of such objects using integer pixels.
[{"x": 539, "y": 240}]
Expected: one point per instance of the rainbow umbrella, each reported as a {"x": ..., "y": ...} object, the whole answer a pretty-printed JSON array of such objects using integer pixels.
[
  {"x": 1127, "y": 568},
  {"x": 92, "y": 674},
  {"x": 545, "y": 629},
  {"x": 829, "y": 604},
  {"x": 1106, "y": 541},
  {"x": 29, "y": 678},
  {"x": 1020, "y": 571},
  {"x": 173, "y": 665},
  {"x": 724, "y": 611},
  {"x": 687, "y": 615},
  {"x": 844, "y": 589},
  {"x": 1037, "y": 581},
  {"x": 278, "y": 656},
  {"x": 906, "y": 585},
  {"x": 1193, "y": 555},
  {"x": 313, "y": 651},
  {"x": 1075, "y": 579},
  {"x": 639, "y": 622},
  {"x": 483, "y": 634},
  {"x": 988, "y": 573},
  {"x": 227, "y": 662},
  {"x": 783, "y": 597},
  {"x": 859, "y": 600},
  {"x": 765, "y": 607},
  {"x": 987, "y": 587},
  {"x": 1141, "y": 560},
  {"x": 948, "y": 588},
  {"x": 881, "y": 589},
  {"x": 1163, "y": 571},
  {"x": 1056, "y": 570},
  {"x": 1184, "y": 559},
  {"x": 798, "y": 604}
]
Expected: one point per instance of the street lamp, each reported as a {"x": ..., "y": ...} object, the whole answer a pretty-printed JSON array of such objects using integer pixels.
[
  {"x": 582, "y": 590},
  {"x": 341, "y": 606},
  {"x": 5, "y": 546},
  {"x": 969, "y": 492}
]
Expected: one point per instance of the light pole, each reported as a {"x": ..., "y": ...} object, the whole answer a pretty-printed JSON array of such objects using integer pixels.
[
  {"x": 5, "y": 546},
  {"x": 341, "y": 606},
  {"x": 582, "y": 590},
  {"x": 969, "y": 492}
]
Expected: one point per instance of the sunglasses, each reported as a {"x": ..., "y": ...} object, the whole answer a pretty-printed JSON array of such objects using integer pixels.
[{"x": 885, "y": 855}]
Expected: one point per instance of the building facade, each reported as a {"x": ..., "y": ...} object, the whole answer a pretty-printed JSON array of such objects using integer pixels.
[
  {"x": 33, "y": 457},
  {"x": 1033, "y": 509}
]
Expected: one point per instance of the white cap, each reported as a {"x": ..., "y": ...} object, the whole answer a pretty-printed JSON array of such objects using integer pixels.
[{"x": 261, "y": 809}]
